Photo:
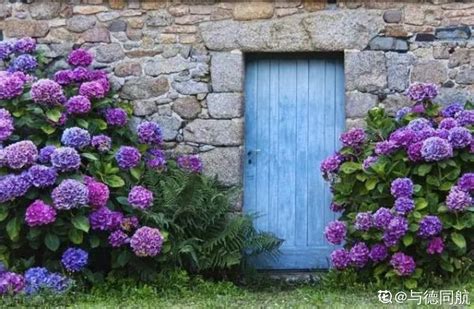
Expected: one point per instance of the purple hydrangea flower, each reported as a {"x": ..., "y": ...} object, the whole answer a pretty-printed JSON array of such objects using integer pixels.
[
  {"x": 80, "y": 57},
  {"x": 190, "y": 163},
  {"x": 155, "y": 159},
  {"x": 430, "y": 226},
  {"x": 403, "y": 137},
  {"x": 340, "y": 258},
  {"x": 92, "y": 90},
  {"x": 422, "y": 91},
  {"x": 39, "y": 213},
  {"x": 368, "y": 162},
  {"x": 442, "y": 133},
  {"x": 359, "y": 255},
  {"x": 458, "y": 200},
  {"x": 460, "y": 137},
  {"x": 74, "y": 259},
  {"x": 414, "y": 152},
  {"x": 128, "y": 157},
  {"x": 58, "y": 283},
  {"x": 395, "y": 230},
  {"x": 20, "y": 154},
  {"x": 401, "y": 187},
  {"x": 378, "y": 253},
  {"x": 76, "y": 138},
  {"x": 65, "y": 159},
  {"x": 80, "y": 74},
  {"x": 404, "y": 205},
  {"x": 363, "y": 221},
  {"x": 11, "y": 86},
  {"x": 436, "y": 149},
  {"x": 466, "y": 118},
  {"x": 78, "y": 105},
  {"x": 452, "y": 110},
  {"x": 353, "y": 138},
  {"x": 35, "y": 279},
  {"x": 104, "y": 219},
  {"x": 149, "y": 133},
  {"x": 140, "y": 197},
  {"x": 23, "y": 63},
  {"x": 47, "y": 92},
  {"x": 146, "y": 241},
  {"x": 42, "y": 176},
  {"x": 331, "y": 164},
  {"x": 118, "y": 238},
  {"x": 21, "y": 184},
  {"x": 25, "y": 45},
  {"x": 335, "y": 207},
  {"x": 98, "y": 192},
  {"x": 402, "y": 112},
  {"x": 102, "y": 143},
  {"x": 418, "y": 108},
  {"x": 335, "y": 232},
  {"x": 448, "y": 123},
  {"x": 404, "y": 265},
  {"x": 11, "y": 283},
  {"x": 6, "y": 49},
  {"x": 385, "y": 147},
  {"x": 435, "y": 246},
  {"x": 466, "y": 182},
  {"x": 419, "y": 124},
  {"x": 64, "y": 77},
  {"x": 116, "y": 116},
  {"x": 70, "y": 194},
  {"x": 382, "y": 218},
  {"x": 6, "y": 124}
]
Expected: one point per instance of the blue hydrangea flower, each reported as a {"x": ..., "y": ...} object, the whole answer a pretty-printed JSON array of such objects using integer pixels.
[{"x": 76, "y": 138}]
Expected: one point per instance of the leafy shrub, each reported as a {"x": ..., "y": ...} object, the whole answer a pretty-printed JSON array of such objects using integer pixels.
[{"x": 404, "y": 189}]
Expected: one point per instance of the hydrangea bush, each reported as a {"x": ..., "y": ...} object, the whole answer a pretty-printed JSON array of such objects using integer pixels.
[
  {"x": 70, "y": 197},
  {"x": 404, "y": 190}
]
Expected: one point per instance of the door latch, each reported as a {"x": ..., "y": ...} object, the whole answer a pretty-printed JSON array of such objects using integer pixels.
[{"x": 251, "y": 153}]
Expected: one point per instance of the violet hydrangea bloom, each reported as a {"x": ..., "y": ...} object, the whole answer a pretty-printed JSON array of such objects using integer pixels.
[
  {"x": 382, "y": 217},
  {"x": 80, "y": 57},
  {"x": 98, "y": 192},
  {"x": 20, "y": 154},
  {"x": 39, "y": 213},
  {"x": 38, "y": 279},
  {"x": 104, "y": 219},
  {"x": 363, "y": 221},
  {"x": 335, "y": 207},
  {"x": 460, "y": 137},
  {"x": 65, "y": 159},
  {"x": 155, "y": 159},
  {"x": 47, "y": 92},
  {"x": 448, "y": 123},
  {"x": 395, "y": 230},
  {"x": 149, "y": 133},
  {"x": 385, "y": 147},
  {"x": 64, "y": 77},
  {"x": 335, "y": 232},
  {"x": 6, "y": 124},
  {"x": 11, "y": 86},
  {"x": 190, "y": 163},
  {"x": 401, "y": 187},
  {"x": 23, "y": 63},
  {"x": 422, "y": 91},
  {"x": 378, "y": 253},
  {"x": 340, "y": 258},
  {"x": 359, "y": 255},
  {"x": 452, "y": 110},
  {"x": 404, "y": 205},
  {"x": 6, "y": 49},
  {"x": 76, "y": 138},
  {"x": 402, "y": 112},
  {"x": 403, "y": 137},
  {"x": 466, "y": 182},
  {"x": 128, "y": 157},
  {"x": 101, "y": 142},
  {"x": 58, "y": 283},
  {"x": 419, "y": 124},
  {"x": 436, "y": 149},
  {"x": 78, "y": 105},
  {"x": 368, "y": 162},
  {"x": 331, "y": 164},
  {"x": 404, "y": 265},
  {"x": 116, "y": 116},
  {"x": 74, "y": 259},
  {"x": 11, "y": 283},
  {"x": 353, "y": 138},
  {"x": 466, "y": 118},
  {"x": 118, "y": 238},
  {"x": 140, "y": 197},
  {"x": 45, "y": 154},
  {"x": 14, "y": 186},
  {"x": 458, "y": 200},
  {"x": 42, "y": 176},
  {"x": 414, "y": 152},
  {"x": 430, "y": 226},
  {"x": 70, "y": 194},
  {"x": 80, "y": 74},
  {"x": 25, "y": 45},
  {"x": 435, "y": 246},
  {"x": 146, "y": 241},
  {"x": 92, "y": 90}
]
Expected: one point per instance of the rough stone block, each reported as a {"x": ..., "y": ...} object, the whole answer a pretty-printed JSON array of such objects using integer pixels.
[
  {"x": 388, "y": 43},
  {"x": 253, "y": 10},
  {"x": 128, "y": 68},
  {"x": 191, "y": 87},
  {"x": 365, "y": 71},
  {"x": 465, "y": 75},
  {"x": 144, "y": 88},
  {"x": 227, "y": 71},
  {"x": 433, "y": 71},
  {"x": 393, "y": 102},
  {"x": 187, "y": 107},
  {"x": 392, "y": 16},
  {"x": 96, "y": 35},
  {"x": 215, "y": 132},
  {"x": 225, "y": 163},
  {"x": 225, "y": 105},
  {"x": 109, "y": 52},
  {"x": 44, "y": 9},
  {"x": 80, "y": 23},
  {"x": 159, "y": 66},
  {"x": 17, "y": 28},
  {"x": 169, "y": 125},
  {"x": 358, "y": 103},
  {"x": 453, "y": 33},
  {"x": 398, "y": 70}
]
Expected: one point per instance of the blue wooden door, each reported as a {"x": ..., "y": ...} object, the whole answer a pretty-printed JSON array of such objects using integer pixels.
[{"x": 294, "y": 114}]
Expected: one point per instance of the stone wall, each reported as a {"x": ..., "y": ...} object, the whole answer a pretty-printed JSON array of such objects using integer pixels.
[{"x": 182, "y": 65}]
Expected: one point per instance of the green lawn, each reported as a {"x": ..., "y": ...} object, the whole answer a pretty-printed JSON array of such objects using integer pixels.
[{"x": 202, "y": 294}]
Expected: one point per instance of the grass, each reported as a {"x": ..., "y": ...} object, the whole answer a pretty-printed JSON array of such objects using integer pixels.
[{"x": 198, "y": 293}]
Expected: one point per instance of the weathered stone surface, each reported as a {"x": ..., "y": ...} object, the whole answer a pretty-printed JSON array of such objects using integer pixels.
[
  {"x": 433, "y": 71},
  {"x": 17, "y": 28},
  {"x": 393, "y": 102},
  {"x": 179, "y": 10},
  {"x": 169, "y": 125},
  {"x": 227, "y": 70},
  {"x": 191, "y": 87},
  {"x": 108, "y": 16},
  {"x": 253, "y": 10},
  {"x": 159, "y": 66},
  {"x": 225, "y": 105},
  {"x": 80, "y": 23},
  {"x": 144, "y": 107},
  {"x": 187, "y": 107},
  {"x": 397, "y": 31},
  {"x": 355, "y": 123},
  {"x": 158, "y": 19},
  {"x": 117, "y": 4},
  {"x": 44, "y": 9},
  {"x": 88, "y": 9},
  {"x": 398, "y": 70},
  {"x": 144, "y": 88},
  {"x": 365, "y": 71},
  {"x": 109, "y": 52},
  {"x": 392, "y": 16},
  {"x": 453, "y": 33},
  {"x": 117, "y": 26},
  {"x": 461, "y": 56},
  {"x": 450, "y": 95},
  {"x": 96, "y": 35},
  {"x": 225, "y": 163},
  {"x": 388, "y": 43},
  {"x": 191, "y": 19},
  {"x": 128, "y": 68},
  {"x": 465, "y": 75},
  {"x": 215, "y": 132},
  {"x": 5, "y": 10},
  {"x": 358, "y": 103},
  {"x": 59, "y": 35}
]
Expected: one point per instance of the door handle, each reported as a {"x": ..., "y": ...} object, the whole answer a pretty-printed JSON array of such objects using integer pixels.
[{"x": 253, "y": 151}]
